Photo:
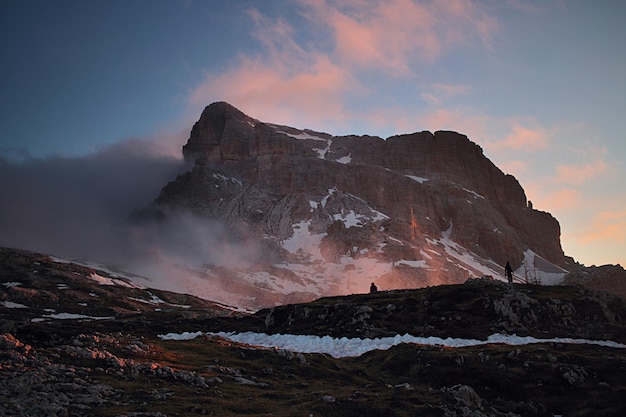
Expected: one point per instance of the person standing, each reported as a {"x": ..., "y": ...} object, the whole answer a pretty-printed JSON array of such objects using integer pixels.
[{"x": 508, "y": 271}]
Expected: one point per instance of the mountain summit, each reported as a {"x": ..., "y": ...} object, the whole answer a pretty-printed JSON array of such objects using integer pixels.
[{"x": 331, "y": 214}]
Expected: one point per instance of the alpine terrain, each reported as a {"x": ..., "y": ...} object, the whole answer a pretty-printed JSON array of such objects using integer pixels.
[
  {"x": 267, "y": 308},
  {"x": 329, "y": 215},
  {"x": 82, "y": 341}
]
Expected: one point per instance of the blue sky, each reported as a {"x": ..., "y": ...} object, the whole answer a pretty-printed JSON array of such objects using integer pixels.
[{"x": 538, "y": 84}]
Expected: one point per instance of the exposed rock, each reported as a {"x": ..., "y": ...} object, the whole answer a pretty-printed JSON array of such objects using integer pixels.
[
  {"x": 611, "y": 278},
  {"x": 361, "y": 196},
  {"x": 120, "y": 367}
]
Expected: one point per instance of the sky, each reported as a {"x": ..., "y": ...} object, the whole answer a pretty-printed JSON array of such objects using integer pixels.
[{"x": 539, "y": 85}]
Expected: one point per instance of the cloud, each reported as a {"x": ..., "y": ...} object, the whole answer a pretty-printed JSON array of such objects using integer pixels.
[
  {"x": 514, "y": 165},
  {"x": 559, "y": 200},
  {"x": 526, "y": 135},
  {"x": 392, "y": 35},
  {"x": 353, "y": 49},
  {"x": 79, "y": 205},
  {"x": 279, "y": 94},
  {"x": 440, "y": 92},
  {"x": 606, "y": 226},
  {"x": 578, "y": 174}
]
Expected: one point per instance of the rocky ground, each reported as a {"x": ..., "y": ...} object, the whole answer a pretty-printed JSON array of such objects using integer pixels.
[{"x": 107, "y": 358}]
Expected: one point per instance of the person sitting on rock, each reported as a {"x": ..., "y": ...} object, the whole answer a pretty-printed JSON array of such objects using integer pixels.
[{"x": 373, "y": 288}]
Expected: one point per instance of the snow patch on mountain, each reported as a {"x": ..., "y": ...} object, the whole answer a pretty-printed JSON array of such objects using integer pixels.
[
  {"x": 421, "y": 180},
  {"x": 112, "y": 281},
  {"x": 537, "y": 269},
  {"x": 303, "y": 240}
]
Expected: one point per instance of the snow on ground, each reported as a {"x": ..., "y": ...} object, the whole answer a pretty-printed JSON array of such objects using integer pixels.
[
  {"x": 474, "y": 193},
  {"x": 68, "y": 316},
  {"x": 345, "y": 159},
  {"x": 10, "y": 304},
  {"x": 460, "y": 253},
  {"x": 303, "y": 239},
  {"x": 112, "y": 281},
  {"x": 154, "y": 299},
  {"x": 227, "y": 179},
  {"x": 307, "y": 136},
  {"x": 350, "y": 347},
  {"x": 536, "y": 269},
  {"x": 413, "y": 264},
  {"x": 303, "y": 136},
  {"x": 134, "y": 278},
  {"x": 421, "y": 180}
]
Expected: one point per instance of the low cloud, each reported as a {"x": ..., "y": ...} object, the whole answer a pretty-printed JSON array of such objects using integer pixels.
[
  {"x": 74, "y": 205},
  {"x": 82, "y": 208}
]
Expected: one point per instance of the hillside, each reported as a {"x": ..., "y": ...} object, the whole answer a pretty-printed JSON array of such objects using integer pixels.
[{"x": 80, "y": 341}]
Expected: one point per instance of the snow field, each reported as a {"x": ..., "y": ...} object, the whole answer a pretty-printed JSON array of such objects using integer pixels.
[{"x": 350, "y": 347}]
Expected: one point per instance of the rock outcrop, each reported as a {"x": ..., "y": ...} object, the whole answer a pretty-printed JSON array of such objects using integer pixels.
[{"x": 409, "y": 191}]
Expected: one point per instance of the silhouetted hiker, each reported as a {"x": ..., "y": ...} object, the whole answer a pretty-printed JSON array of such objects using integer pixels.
[
  {"x": 373, "y": 288},
  {"x": 508, "y": 271}
]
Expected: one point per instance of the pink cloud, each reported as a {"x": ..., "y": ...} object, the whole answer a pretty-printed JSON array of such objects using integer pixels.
[
  {"x": 440, "y": 92},
  {"x": 393, "y": 34},
  {"x": 525, "y": 135},
  {"x": 606, "y": 226},
  {"x": 277, "y": 94},
  {"x": 515, "y": 166},
  {"x": 305, "y": 83},
  {"x": 580, "y": 173},
  {"x": 559, "y": 200}
]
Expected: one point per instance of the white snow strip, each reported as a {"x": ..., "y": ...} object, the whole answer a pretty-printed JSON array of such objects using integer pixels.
[
  {"x": 156, "y": 300},
  {"x": 421, "y": 180},
  {"x": 466, "y": 258},
  {"x": 414, "y": 264},
  {"x": 350, "y": 347},
  {"x": 72, "y": 316},
  {"x": 10, "y": 304},
  {"x": 11, "y": 284},
  {"x": 303, "y": 136},
  {"x": 474, "y": 193},
  {"x": 112, "y": 281},
  {"x": 226, "y": 179}
]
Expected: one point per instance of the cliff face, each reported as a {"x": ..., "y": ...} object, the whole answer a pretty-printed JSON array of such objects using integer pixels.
[{"x": 395, "y": 200}]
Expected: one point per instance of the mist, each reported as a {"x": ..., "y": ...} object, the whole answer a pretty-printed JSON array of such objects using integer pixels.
[{"x": 80, "y": 208}]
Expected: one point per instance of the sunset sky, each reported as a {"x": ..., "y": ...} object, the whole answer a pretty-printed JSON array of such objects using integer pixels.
[{"x": 540, "y": 85}]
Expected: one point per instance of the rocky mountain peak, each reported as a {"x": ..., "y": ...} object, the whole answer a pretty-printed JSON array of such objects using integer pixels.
[
  {"x": 220, "y": 127},
  {"x": 419, "y": 209}
]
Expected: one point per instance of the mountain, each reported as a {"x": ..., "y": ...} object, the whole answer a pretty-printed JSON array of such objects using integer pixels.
[
  {"x": 328, "y": 215},
  {"x": 87, "y": 341}
]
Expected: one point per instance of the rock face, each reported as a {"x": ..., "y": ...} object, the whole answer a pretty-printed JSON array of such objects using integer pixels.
[{"x": 420, "y": 203}]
